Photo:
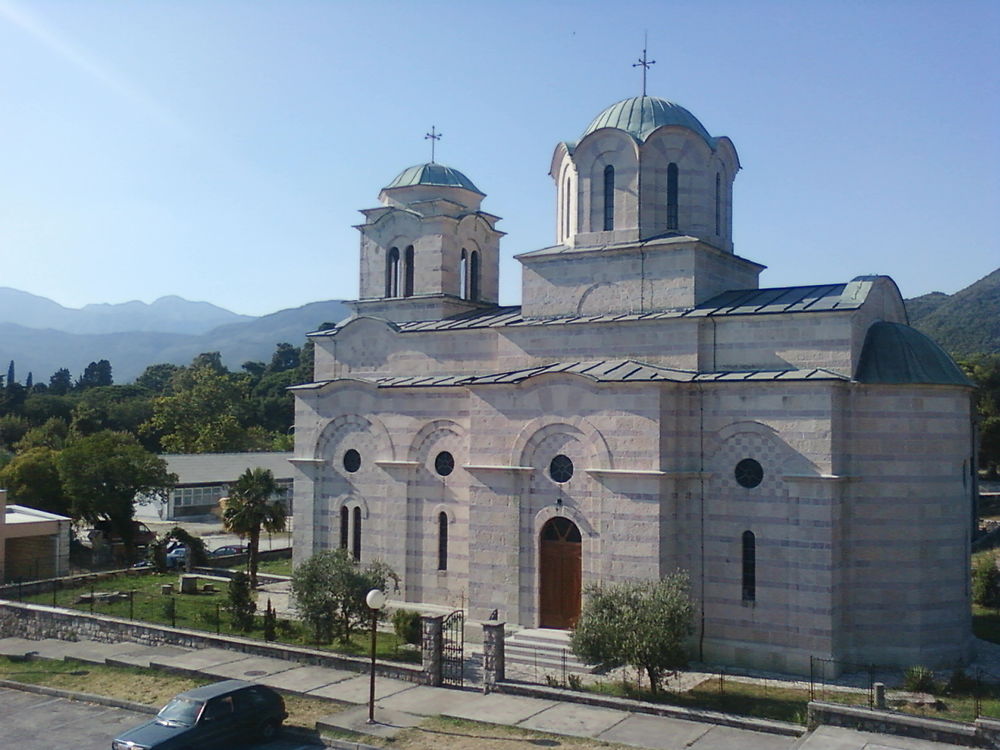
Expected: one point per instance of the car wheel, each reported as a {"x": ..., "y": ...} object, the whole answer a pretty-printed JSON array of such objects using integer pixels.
[{"x": 269, "y": 731}]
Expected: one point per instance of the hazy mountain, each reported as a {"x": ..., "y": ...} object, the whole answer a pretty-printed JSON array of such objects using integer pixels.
[
  {"x": 966, "y": 322},
  {"x": 166, "y": 315},
  {"x": 43, "y": 350}
]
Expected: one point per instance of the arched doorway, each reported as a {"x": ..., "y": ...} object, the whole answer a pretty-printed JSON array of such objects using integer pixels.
[{"x": 559, "y": 553}]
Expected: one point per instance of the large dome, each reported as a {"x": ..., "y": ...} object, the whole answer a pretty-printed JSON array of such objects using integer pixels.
[
  {"x": 641, "y": 115},
  {"x": 433, "y": 174}
]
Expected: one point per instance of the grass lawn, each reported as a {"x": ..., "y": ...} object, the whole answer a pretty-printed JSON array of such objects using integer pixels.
[
  {"x": 149, "y": 686},
  {"x": 274, "y": 567},
  {"x": 206, "y": 611}
]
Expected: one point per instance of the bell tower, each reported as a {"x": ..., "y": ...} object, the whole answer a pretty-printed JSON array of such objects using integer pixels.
[{"x": 428, "y": 252}]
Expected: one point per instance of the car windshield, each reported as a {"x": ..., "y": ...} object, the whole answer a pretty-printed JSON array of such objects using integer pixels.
[{"x": 180, "y": 711}]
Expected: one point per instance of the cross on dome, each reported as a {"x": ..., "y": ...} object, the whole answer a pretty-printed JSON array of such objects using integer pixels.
[
  {"x": 644, "y": 64},
  {"x": 434, "y": 136}
]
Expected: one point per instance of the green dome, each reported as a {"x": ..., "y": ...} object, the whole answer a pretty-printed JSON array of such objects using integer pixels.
[
  {"x": 896, "y": 354},
  {"x": 641, "y": 115},
  {"x": 433, "y": 174}
]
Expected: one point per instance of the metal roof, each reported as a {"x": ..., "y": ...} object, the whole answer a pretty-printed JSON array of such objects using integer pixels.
[
  {"x": 222, "y": 468},
  {"x": 432, "y": 173},
  {"x": 600, "y": 371},
  {"x": 641, "y": 115},
  {"x": 894, "y": 353}
]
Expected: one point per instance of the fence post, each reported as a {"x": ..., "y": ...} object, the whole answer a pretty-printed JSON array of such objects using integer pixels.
[
  {"x": 978, "y": 692},
  {"x": 131, "y": 604},
  {"x": 722, "y": 681},
  {"x": 55, "y": 586},
  {"x": 812, "y": 684},
  {"x": 218, "y": 618}
]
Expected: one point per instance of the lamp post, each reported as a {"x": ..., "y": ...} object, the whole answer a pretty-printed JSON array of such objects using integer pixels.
[{"x": 375, "y": 601}]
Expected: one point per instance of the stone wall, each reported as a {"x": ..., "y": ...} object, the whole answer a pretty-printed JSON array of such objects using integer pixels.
[{"x": 36, "y": 622}]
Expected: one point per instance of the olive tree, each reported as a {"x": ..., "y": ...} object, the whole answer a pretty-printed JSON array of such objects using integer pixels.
[
  {"x": 643, "y": 624},
  {"x": 329, "y": 592}
]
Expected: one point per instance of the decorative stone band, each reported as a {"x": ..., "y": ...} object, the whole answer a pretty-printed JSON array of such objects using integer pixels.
[{"x": 817, "y": 478}]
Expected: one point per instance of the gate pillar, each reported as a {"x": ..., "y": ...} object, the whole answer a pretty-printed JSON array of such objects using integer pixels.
[
  {"x": 493, "y": 654},
  {"x": 431, "y": 648}
]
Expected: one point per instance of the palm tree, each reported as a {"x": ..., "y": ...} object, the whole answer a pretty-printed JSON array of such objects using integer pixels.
[{"x": 249, "y": 508}]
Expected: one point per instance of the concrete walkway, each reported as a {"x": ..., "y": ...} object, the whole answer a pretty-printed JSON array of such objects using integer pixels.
[{"x": 402, "y": 704}]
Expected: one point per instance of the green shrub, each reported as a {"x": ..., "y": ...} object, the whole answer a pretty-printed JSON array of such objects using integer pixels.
[
  {"x": 919, "y": 679},
  {"x": 241, "y": 605},
  {"x": 406, "y": 624},
  {"x": 959, "y": 683},
  {"x": 270, "y": 623},
  {"x": 986, "y": 582}
]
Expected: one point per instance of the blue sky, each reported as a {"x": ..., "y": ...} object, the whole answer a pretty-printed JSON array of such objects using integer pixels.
[{"x": 221, "y": 150}]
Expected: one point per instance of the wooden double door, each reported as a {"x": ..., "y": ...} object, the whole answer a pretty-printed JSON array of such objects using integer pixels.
[{"x": 560, "y": 574}]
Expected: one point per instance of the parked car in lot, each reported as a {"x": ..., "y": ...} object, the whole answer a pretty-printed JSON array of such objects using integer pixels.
[
  {"x": 228, "y": 549},
  {"x": 211, "y": 716},
  {"x": 177, "y": 556}
]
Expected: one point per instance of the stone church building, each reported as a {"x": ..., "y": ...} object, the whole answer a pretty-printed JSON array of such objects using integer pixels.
[{"x": 802, "y": 452}]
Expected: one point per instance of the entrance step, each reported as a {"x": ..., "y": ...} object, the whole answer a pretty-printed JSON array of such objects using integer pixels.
[{"x": 545, "y": 651}]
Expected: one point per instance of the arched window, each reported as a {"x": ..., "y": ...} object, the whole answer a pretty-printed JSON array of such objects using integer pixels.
[
  {"x": 566, "y": 204},
  {"x": 749, "y": 567},
  {"x": 474, "y": 276},
  {"x": 672, "y": 196},
  {"x": 442, "y": 541},
  {"x": 345, "y": 521},
  {"x": 408, "y": 271},
  {"x": 392, "y": 272},
  {"x": 463, "y": 275},
  {"x": 609, "y": 198},
  {"x": 356, "y": 547},
  {"x": 718, "y": 204}
]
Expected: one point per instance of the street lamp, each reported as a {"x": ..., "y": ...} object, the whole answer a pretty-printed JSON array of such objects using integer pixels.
[{"x": 375, "y": 601}]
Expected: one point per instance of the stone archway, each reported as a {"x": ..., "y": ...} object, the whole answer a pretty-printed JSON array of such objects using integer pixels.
[{"x": 560, "y": 574}]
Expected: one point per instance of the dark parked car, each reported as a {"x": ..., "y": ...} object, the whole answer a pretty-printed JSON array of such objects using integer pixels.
[
  {"x": 229, "y": 549},
  {"x": 212, "y": 716}
]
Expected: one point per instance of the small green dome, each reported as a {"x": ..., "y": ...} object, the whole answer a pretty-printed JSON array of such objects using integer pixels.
[
  {"x": 432, "y": 174},
  {"x": 894, "y": 353},
  {"x": 641, "y": 115}
]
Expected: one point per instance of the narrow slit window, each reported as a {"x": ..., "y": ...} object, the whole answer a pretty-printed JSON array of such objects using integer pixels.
[
  {"x": 408, "y": 271},
  {"x": 609, "y": 198},
  {"x": 356, "y": 547},
  {"x": 749, "y": 567},
  {"x": 463, "y": 275},
  {"x": 345, "y": 522},
  {"x": 392, "y": 272},
  {"x": 672, "y": 222},
  {"x": 442, "y": 541},
  {"x": 566, "y": 204},
  {"x": 474, "y": 276}
]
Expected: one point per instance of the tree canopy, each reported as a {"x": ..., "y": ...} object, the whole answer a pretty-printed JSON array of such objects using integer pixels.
[
  {"x": 250, "y": 507},
  {"x": 643, "y": 624}
]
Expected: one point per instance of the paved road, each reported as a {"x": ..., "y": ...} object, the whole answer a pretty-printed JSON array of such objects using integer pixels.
[{"x": 39, "y": 722}]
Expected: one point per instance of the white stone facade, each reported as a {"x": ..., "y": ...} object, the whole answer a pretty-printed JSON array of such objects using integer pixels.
[{"x": 650, "y": 360}]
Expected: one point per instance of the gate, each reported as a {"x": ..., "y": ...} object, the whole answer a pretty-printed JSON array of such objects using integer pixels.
[{"x": 452, "y": 647}]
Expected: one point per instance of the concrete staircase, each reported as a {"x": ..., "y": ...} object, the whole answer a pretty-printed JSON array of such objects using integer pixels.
[{"x": 537, "y": 652}]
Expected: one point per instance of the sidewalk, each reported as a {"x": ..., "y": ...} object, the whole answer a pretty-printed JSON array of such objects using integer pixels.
[{"x": 402, "y": 704}]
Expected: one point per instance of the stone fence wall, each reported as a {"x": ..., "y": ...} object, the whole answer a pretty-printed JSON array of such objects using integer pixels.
[
  {"x": 35, "y": 622},
  {"x": 984, "y": 733}
]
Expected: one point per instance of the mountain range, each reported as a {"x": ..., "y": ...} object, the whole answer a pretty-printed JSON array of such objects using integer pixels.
[{"x": 42, "y": 336}]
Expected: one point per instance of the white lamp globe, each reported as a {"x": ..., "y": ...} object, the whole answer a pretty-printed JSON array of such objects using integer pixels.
[{"x": 375, "y": 599}]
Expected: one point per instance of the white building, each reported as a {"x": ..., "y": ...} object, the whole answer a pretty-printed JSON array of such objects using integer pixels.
[
  {"x": 801, "y": 452},
  {"x": 34, "y": 543}
]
